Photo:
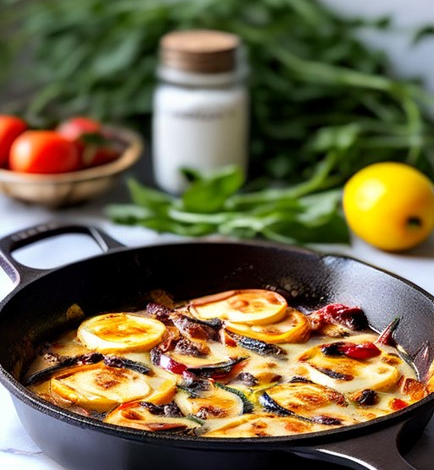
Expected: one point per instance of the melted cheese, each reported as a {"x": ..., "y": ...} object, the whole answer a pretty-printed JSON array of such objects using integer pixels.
[
  {"x": 135, "y": 415},
  {"x": 346, "y": 374},
  {"x": 261, "y": 425},
  {"x": 210, "y": 404},
  {"x": 99, "y": 387},
  {"x": 330, "y": 392}
]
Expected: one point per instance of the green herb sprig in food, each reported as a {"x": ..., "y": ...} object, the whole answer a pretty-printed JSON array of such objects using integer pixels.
[{"x": 214, "y": 204}]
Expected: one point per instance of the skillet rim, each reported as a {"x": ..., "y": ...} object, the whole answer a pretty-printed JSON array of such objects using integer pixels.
[{"x": 187, "y": 441}]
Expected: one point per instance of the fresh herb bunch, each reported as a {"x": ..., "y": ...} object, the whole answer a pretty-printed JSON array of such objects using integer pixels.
[
  {"x": 323, "y": 104},
  {"x": 214, "y": 204},
  {"x": 317, "y": 92}
]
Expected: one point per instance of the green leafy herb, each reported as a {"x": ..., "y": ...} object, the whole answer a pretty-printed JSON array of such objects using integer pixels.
[
  {"x": 315, "y": 87},
  {"x": 323, "y": 105},
  {"x": 209, "y": 194},
  {"x": 213, "y": 204}
]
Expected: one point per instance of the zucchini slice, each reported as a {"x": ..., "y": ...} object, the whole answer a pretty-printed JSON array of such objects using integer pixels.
[
  {"x": 137, "y": 415},
  {"x": 262, "y": 425},
  {"x": 216, "y": 402},
  {"x": 99, "y": 387},
  {"x": 307, "y": 401},
  {"x": 302, "y": 398}
]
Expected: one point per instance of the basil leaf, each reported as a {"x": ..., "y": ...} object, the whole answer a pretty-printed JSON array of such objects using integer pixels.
[{"x": 209, "y": 193}]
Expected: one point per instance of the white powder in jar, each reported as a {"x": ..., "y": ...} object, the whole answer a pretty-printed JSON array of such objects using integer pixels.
[{"x": 200, "y": 118}]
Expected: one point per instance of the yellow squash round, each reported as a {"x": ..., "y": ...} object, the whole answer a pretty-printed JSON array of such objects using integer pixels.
[
  {"x": 248, "y": 306},
  {"x": 120, "y": 332}
]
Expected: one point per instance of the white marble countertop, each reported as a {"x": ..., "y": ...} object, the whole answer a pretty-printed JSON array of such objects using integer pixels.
[{"x": 17, "y": 451}]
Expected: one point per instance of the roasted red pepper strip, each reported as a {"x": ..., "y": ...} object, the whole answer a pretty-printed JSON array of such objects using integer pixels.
[
  {"x": 211, "y": 371},
  {"x": 353, "y": 350},
  {"x": 351, "y": 317},
  {"x": 397, "y": 404},
  {"x": 360, "y": 351},
  {"x": 386, "y": 335}
]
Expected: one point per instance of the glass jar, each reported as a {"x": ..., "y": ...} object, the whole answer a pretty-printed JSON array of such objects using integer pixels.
[{"x": 200, "y": 109}]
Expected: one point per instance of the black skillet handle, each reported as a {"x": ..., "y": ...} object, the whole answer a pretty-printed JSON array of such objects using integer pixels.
[
  {"x": 20, "y": 273},
  {"x": 377, "y": 450}
]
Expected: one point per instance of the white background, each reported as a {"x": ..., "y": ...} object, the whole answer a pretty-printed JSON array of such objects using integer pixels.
[{"x": 407, "y": 15}]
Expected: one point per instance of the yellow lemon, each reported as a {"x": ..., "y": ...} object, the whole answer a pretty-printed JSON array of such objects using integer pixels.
[{"x": 390, "y": 205}]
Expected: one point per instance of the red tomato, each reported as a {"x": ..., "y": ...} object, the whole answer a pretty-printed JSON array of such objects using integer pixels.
[
  {"x": 73, "y": 129},
  {"x": 10, "y": 128},
  {"x": 95, "y": 148},
  {"x": 97, "y": 154},
  {"x": 43, "y": 151}
]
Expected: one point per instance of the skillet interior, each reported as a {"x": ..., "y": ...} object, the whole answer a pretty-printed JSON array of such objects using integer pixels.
[{"x": 121, "y": 280}]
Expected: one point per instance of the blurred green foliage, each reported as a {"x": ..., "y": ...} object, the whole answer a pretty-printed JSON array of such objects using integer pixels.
[{"x": 320, "y": 98}]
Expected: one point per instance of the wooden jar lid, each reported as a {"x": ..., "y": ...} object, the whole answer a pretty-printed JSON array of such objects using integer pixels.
[{"x": 201, "y": 51}]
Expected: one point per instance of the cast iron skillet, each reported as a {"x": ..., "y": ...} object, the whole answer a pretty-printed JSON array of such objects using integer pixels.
[{"x": 121, "y": 277}]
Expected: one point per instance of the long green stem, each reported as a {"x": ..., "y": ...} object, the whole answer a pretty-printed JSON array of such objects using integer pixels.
[
  {"x": 319, "y": 72},
  {"x": 414, "y": 127},
  {"x": 316, "y": 182}
]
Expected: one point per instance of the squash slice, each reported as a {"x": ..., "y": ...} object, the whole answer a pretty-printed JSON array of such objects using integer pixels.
[
  {"x": 293, "y": 328},
  {"x": 114, "y": 332},
  {"x": 308, "y": 400},
  {"x": 214, "y": 403},
  {"x": 346, "y": 374},
  {"x": 163, "y": 388},
  {"x": 262, "y": 425},
  {"x": 249, "y": 306},
  {"x": 136, "y": 415},
  {"x": 98, "y": 387}
]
